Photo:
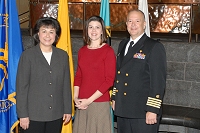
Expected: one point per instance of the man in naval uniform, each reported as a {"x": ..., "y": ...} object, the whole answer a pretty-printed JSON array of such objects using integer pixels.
[{"x": 140, "y": 80}]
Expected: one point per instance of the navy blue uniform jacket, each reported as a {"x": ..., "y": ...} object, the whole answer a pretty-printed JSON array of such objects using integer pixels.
[{"x": 141, "y": 78}]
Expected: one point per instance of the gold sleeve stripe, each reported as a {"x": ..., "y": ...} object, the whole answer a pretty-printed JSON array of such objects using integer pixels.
[
  {"x": 154, "y": 102},
  {"x": 153, "y": 106},
  {"x": 154, "y": 99}
]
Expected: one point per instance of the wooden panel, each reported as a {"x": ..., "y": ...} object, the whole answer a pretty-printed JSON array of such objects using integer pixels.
[
  {"x": 23, "y": 6},
  {"x": 76, "y": 16},
  {"x": 131, "y": 1},
  {"x": 44, "y": 1},
  {"x": 196, "y": 19},
  {"x": 42, "y": 10},
  {"x": 88, "y": 1},
  {"x": 174, "y": 1},
  {"x": 169, "y": 18},
  {"x": 165, "y": 18}
]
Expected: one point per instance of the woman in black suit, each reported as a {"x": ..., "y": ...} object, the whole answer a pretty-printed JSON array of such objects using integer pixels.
[{"x": 43, "y": 82}]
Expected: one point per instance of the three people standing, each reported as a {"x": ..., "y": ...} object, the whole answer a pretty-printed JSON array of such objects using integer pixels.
[{"x": 139, "y": 76}]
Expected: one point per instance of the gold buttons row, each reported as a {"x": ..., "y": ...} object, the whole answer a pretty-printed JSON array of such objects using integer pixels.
[
  {"x": 120, "y": 72},
  {"x": 126, "y": 84}
]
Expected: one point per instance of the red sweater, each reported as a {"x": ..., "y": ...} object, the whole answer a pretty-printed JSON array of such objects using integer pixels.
[{"x": 95, "y": 71}]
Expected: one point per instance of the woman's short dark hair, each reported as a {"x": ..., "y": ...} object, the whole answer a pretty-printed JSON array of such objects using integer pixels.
[
  {"x": 103, "y": 36},
  {"x": 46, "y": 21}
]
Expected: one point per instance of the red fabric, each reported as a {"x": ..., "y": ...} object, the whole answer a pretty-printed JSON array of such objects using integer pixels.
[{"x": 95, "y": 71}]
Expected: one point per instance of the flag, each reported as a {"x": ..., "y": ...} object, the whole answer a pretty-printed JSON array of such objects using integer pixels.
[
  {"x": 143, "y": 6},
  {"x": 65, "y": 44},
  {"x": 10, "y": 51},
  {"x": 105, "y": 15}
]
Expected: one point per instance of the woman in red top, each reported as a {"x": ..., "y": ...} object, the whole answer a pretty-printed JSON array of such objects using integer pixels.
[{"x": 94, "y": 76}]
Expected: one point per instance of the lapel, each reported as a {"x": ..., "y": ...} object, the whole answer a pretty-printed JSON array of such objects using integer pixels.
[
  {"x": 54, "y": 57},
  {"x": 41, "y": 57},
  {"x": 134, "y": 50},
  {"x": 121, "y": 52}
]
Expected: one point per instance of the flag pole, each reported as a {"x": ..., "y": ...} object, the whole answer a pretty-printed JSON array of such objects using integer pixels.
[
  {"x": 6, "y": 20},
  {"x": 16, "y": 129},
  {"x": 6, "y": 42},
  {"x": 108, "y": 31}
]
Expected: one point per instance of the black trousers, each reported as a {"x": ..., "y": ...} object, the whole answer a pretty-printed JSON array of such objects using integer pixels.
[
  {"x": 127, "y": 125},
  {"x": 44, "y": 127}
]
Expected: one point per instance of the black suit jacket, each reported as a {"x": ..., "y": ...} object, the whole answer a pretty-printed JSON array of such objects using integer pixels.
[
  {"x": 140, "y": 79},
  {"x": 43, "y": 90}
]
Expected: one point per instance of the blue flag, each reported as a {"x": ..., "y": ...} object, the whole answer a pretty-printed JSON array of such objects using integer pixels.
[
  {"x": 105, "y": 12},
  {"x": 10, "y": 51},
  {"x": 105, "y": 15}
]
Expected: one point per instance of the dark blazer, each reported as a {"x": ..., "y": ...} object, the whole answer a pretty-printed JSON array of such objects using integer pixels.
[
  {"x": 43, "y": 90},
  {"x": 140, "y": 79}
]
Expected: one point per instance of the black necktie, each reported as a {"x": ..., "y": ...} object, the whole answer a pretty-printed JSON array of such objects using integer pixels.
[{"x": 131, "y": 43}]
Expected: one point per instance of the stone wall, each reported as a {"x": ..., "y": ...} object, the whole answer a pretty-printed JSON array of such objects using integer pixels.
[{"x": 183, "y": 74}]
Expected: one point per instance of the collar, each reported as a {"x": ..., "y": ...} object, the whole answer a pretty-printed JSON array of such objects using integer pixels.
[{"x": 136, "y": 39}]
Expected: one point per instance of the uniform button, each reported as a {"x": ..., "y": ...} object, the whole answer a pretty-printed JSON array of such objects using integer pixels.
[
  {"x": 49, "y": 83},
  {"x": 118, "y": 72},
  {"x": 125, "y": 84},
  {"x": 51, "y": 95},
  {"x": 126, "y": 74},
  {"x": 49, "y": 71},
  {"x": 124, "y": 93},
  {"x": 117, "y": 81},
  {"x": 116, "y": 90},
  {"x": 50, "y": 107}
]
